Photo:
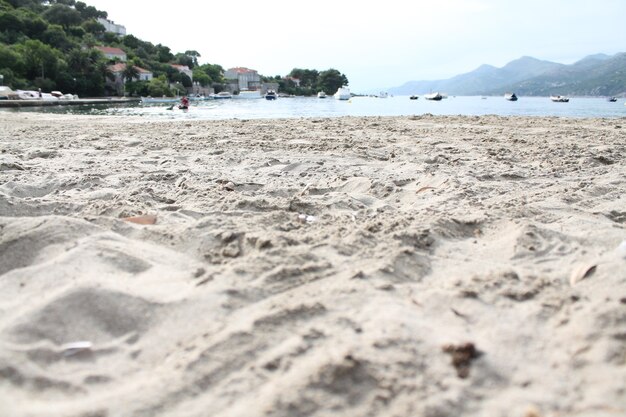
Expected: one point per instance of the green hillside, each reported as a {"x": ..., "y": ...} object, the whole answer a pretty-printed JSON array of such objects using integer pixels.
[{"x": 50, "y": 45}]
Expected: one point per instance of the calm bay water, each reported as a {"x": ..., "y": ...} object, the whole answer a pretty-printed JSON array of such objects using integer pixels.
[{"x": 357, "y": 106}]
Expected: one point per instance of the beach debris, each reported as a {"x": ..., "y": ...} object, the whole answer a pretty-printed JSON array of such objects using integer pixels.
[
  {"x": 305, "y": 190},
  {"x": 462, "y": 357},
  {"x": 11, "y": 166},
  {"x": 581, "y": 272},
  {"x": 229, "y": 186},
  {"x": 143, "y": 219},
  {"x": 74, "y": 348},
  {"x": 305, "y": 218}
]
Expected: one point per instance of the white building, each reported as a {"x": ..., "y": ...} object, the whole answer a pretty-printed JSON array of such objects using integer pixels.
[
  {"x": 247, "y": 79},
  {"x": 110, "y": 26}
]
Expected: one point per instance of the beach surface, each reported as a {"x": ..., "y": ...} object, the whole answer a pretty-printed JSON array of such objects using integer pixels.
[{"x": 379, "y": 266}]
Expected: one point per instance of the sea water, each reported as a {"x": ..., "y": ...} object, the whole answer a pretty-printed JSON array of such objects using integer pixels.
[{"x": 297, "y": 107}]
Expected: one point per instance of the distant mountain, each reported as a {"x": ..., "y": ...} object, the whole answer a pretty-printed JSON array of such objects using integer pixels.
[{"x": 597, "y": 74}]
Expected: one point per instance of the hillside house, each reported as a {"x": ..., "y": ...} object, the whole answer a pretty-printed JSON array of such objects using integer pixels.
[
  {"x": 112, "y": 27},
  {"x": 113, "y": 54},
  {"x": 183, "y": 69},
  {"x": 117, "y": 84}
]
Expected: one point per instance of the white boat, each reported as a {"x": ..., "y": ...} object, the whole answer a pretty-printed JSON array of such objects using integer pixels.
[
  {"x": 321, "y": 94},
  {"x": 271, "y": 95},
  {"x": 7, "y": 94},
  {"x": 222, "y": 95},
  {"x": 383, "y": 94},
  {"x": 433, "y": 96},
  {"x": 343, "y": 93},
  {"x": 510, "y": 96},
  {"x": 559, "y": 99},
  {"x": 35, "y": 95}
]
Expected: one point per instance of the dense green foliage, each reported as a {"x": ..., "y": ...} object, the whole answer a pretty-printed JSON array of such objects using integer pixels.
[
  {"x": 49, "y": 45},
  {"x": 311, "y": 81}
]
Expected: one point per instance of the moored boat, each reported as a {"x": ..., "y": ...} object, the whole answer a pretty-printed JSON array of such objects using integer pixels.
[
  {"x": 321, "y": 94},
  {"x": 343, "y": 93},
  {"x": 510, "y": 96},
  {"x": 413, "y": 97},
  {"x": 559, "y": 99},
  {"x": 222, "y": 95},
  {"x": 270, "y": 95},
  {"x": 433, "y": 96},
  {"x": 612, "y": 99}
]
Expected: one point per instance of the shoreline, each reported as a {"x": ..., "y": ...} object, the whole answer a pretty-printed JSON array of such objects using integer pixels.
[
  {"x": 397, "y": 265},
  {"x": 48, "y": 103}
]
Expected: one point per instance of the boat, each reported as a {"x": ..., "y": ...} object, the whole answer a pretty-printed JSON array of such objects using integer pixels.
[
  {"x": 270, "y": 95},
  {"x": 383, "y": 94},
  {"x": 36, "y": 95},
  {"x": 510, "y": 96},
  {"x": 222, "y": 95},
  {"x": 321, "y": 94},
  {"x": 559, "y": 99},
  {"x": 612, "y": 99},
  {"x": 7, "y": 94},
  {"x": 433, "y": 96},
  {"x": 343, "y": 93},
  {"x": 413, "y": 97}
]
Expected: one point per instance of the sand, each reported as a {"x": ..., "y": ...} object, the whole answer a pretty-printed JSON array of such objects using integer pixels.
[{"x": 397, "y": 266}]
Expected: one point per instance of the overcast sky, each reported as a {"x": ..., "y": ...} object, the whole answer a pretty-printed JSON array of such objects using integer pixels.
[{"x": 377, "y": 44}]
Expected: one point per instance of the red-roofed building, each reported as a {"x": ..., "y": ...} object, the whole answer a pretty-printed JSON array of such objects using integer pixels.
[
  {"x": 184, "y": 69},
  {"x": 246, "y": 79},
  {"x": 117, "y": 70},
  {"x": 112, "y": 53}
]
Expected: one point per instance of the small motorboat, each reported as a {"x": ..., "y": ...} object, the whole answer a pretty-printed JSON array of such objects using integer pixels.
[
  {"x": 559, "y": 99},
  {"x": 271, "y": 95},
  {"x": 510, "y": 96},
  {"x": 413, "y": 97},
  {"x": 222, "y": 95},
  {"x": 321, "y": 94},
  {"x": 343, "y": 93},
  {"x": 611, "y": 99},
  {"x": 433, "y": 96}
]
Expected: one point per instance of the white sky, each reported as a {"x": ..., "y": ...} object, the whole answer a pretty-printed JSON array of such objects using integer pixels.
[{"x": 376, "y": 44}]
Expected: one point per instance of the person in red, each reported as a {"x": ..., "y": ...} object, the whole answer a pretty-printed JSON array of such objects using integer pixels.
[{"x": 184, "y": 103}]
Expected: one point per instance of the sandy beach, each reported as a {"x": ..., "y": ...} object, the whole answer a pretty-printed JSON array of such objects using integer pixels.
[{"x": 379, "y": 266}]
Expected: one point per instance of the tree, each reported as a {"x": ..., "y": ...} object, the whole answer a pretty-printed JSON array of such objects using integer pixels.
[
  {"x": 164, "y": 54},
  {"x": 194, "y": 55},
  {"x": 200, "y": 77},
  {"x": 130, "y": 72},
  {"x": 331, "y": 80},
  {"x": 55, "y": 36},
  {"x": 131, "y": 41},
  {"x": 63, "y": 15},
  {"x": 157, "y": 87},
  {"x": 91, "y": 26},
  {"x": 40, "y": 60}
]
